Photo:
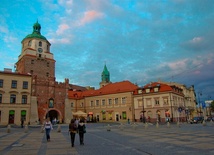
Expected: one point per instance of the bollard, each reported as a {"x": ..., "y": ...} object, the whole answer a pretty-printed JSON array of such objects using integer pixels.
[
  {"x": 26, "y": 128},
  {"x": 42, "y": 129},
  {"x": 8, "y": 129},
  {"x": 59, "y": 128},
  {"x": 108, "y": 127},
  {"x": 157, "y": 125},
  {"x": 204, "y": 123},
  {"x": 121, "y": 126},
  {"x": 168, "y": 124},
  {"x": 178, "y": 124},
  {"x": 146, "y": 125},
  {"x": 134, "y": 126}
]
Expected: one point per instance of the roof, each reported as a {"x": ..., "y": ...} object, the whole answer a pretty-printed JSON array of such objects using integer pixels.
[{"x": 112, "y": 88}]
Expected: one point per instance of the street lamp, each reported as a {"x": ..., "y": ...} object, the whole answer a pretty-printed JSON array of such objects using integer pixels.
[{"x": 199, "y": 94}]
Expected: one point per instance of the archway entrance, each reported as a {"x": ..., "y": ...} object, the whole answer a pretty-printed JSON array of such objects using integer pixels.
[{"x": 53, "y": 115}]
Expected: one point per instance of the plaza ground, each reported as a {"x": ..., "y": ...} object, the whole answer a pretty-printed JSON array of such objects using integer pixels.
[{"x": 125, "y": 139}]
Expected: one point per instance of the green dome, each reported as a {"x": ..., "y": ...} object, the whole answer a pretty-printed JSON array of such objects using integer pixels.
[{"x": 36, "y": 32}]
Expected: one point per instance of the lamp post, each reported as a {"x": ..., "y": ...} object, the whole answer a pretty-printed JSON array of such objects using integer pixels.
[
  {"x": 171, "y": 108},
  {"x": 199, "y": 94}
]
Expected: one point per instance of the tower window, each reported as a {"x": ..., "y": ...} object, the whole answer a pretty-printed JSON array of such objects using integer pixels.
[
  {"x": 29, "y": 43},
  {"x": 32, "y": 61},
  {"x": 48, "y": 64},
  {"x": 47, "y": 74},
  {"x": 40, "y": 44}
]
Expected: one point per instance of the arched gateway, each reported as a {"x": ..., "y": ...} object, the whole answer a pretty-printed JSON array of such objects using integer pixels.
[{"x": 54, "y": 113}]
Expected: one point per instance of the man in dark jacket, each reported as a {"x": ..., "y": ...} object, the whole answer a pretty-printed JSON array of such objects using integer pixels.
[{"x": 82, "y": 131}]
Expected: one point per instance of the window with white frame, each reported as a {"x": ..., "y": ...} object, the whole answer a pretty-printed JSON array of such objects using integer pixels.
[
  {"x": 92, "y": 103},
  {"x": 12, "y": 98},
  {"x": 156, "y": 89},
  {"x": 165, "y": 101},
  {"x": 97, "y": 103},
  {"x": 147, "y": 90},
  {"x": 157, "y": 101},
  {"x": 24, "y": 99},
  {"x": 123, "y": 100},
  {"x": 0, "y": 98},
  {"x": 72, "y": 104},
  {"x": 140, "y": 103},
  {"x": 148, "y": 102},
  {"x": 14, "y": 84},
  {"x": 109, "y": 102},
  {"x": 116, "y": 101},
  {"x": 103, "y": 102},
  {"x": 81, "y": 104},
  {"x": 1, "y": 83}
]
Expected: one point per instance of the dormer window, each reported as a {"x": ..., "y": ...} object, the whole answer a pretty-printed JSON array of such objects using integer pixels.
[
  {"x": 156, "y": 89},
  {"x": 139, "y": 91},
  {"x": 147, "y": 90}
]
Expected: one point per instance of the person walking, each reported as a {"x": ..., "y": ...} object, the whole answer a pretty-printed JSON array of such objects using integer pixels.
[
  {"x": 48, "y": 127},
  {"x": 22, "y": 122},
  {"x": 73, "y": 131},
  {"x": 81, "y": 131}
]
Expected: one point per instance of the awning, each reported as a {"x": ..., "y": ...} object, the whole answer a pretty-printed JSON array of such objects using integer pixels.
[
  {"x": 12, "y": 112},
  {"x": 23, "y": 112},
  {"x": 79, "y": 113}
]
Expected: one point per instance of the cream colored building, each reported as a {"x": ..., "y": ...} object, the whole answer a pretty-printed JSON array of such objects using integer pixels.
[
  {"x": 112, "y": 102},
  {"x": 159, "y": 102},
  {"x": 15, "y": 97}
]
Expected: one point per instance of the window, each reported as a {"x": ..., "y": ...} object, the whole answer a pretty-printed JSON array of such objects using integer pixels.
[
  {"x": 72, "y": 104},
  {"x": 0, "y": 98},
  {"x": 25, "y": 85},
  {"x": 157, "y": 102},
  {"x": 97, "y": 103},
  {"x": 31, "y": 72},
  {"x": 32, "y": 61},
  {"x": 1, "y": 83},
  {"x": 24, "y": 99},
  {"x": 156, "y": 89},
  {"x": 40, "y": 44},
  {"x": 48, "y": 64},
  {"x": 14, "y": 84},
  {"x": 92, "y": 103},
  {"x": 47, "y": 74},
  {"x": 12, "y": 98},
  {"x": 123, "y": 100},
  {"x": 29, "y": 43},
  {"x": 165, "y": 101},
  {"x": 109, "y": 102},
  {"x": 81, "y": 104},
  {"x": 147, "y": 90},
  {"x": 103, "y": 102},
  {"x": 116, "y": 101}
]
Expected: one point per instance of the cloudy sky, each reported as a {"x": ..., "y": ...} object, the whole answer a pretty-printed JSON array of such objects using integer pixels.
[{"x": 139, "y": 40}]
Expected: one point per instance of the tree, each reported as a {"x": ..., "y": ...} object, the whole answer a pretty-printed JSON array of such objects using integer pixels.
[{"x": 212, "y": 106}]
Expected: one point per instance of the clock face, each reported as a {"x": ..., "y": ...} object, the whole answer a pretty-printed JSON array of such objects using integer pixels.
[{"x": 40, "y": 50}]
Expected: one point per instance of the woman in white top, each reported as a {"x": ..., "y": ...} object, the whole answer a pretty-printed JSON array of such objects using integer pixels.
[{"x": 48, "y": 127}]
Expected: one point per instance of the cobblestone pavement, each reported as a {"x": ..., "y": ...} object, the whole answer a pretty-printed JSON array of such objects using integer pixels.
[{"x": 126, "y": 139}]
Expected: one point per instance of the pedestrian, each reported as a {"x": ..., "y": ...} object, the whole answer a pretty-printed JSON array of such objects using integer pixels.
[
  {"x": 48, "y": 127},
  {"x": 73, "y": 131},
  {"x": 81, "y": 131},
  {"x": 22, "y": 122}
]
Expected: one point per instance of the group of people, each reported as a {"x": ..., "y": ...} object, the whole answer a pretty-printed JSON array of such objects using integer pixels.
[{"x": 75, "y": 126}]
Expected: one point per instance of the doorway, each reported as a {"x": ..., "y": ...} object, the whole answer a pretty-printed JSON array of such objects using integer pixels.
[{"x": 53, "y": 115}]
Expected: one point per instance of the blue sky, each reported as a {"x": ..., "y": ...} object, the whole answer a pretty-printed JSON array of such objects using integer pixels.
[{"x": 139, "y": 40}]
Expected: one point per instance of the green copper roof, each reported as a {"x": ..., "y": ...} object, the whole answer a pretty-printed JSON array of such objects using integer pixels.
[
  {"x": 36, "y": 32},
  {"x": 105, "y": 75}
]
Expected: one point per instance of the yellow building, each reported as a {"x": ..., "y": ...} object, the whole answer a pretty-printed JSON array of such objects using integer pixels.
[{"x": 15, "y": 97}]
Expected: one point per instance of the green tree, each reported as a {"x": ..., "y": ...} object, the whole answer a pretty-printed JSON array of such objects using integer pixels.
[{"x": 212, "y": 106}]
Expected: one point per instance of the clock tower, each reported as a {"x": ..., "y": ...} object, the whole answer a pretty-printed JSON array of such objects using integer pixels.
[{"x": 36, "y": 58}]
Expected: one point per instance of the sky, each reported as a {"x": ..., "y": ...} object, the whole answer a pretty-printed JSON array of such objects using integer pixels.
[{"x": 141, "y": 41}]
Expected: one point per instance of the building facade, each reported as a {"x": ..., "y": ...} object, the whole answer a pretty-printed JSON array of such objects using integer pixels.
[{"x": 15, "y": 97}]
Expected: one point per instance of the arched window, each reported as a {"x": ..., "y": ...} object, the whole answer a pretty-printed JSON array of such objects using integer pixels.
[
  {"x": 29, "y": 43},
  {"x": 40, "y": 44}
]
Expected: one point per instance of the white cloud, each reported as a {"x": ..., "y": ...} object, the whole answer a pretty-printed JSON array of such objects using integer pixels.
[
  {"x": 196, "y": 40},
  {"x": 90, "y": 16},
  {"x": 62, "y": 28},
  {"x": 60, "y": 41}
]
